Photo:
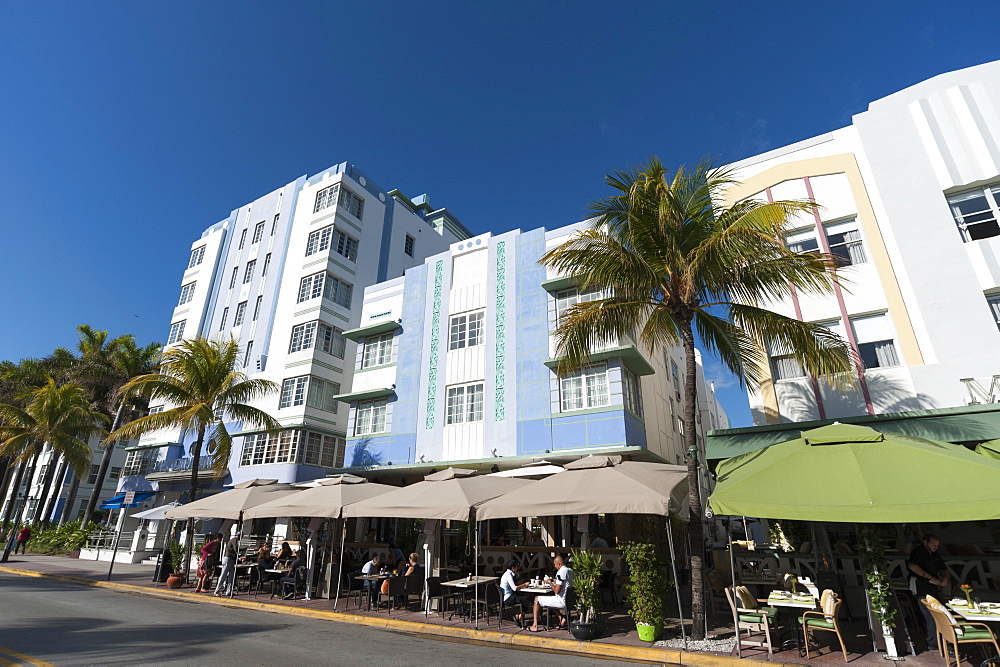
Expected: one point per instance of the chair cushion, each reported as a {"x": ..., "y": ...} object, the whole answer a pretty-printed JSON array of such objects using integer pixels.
[
  {"x": 751, "y": 618},
  {"x": 814, "y": 622},
  {"x": 747, "y": 600},
  {"x": 972, "y": 632}
]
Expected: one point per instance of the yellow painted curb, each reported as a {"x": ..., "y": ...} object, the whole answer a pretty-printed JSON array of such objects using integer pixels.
[{"x": 594, "y": 649}]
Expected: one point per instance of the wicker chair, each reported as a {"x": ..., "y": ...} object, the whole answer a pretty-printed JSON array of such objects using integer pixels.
[
  {"x": 825, "y": 620},
  {"x": 753, "y": 618},
  {"x": 954, "y": 633}
]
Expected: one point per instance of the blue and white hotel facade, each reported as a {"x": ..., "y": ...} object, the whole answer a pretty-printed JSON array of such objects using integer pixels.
[{"x": 456, "y": 363}]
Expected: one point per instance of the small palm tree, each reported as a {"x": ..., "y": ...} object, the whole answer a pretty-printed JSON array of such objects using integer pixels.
[
  {"x": 202, "y": 380},
  {"x": 671, "y": 261},
  {"x": 58, "y": 415}
]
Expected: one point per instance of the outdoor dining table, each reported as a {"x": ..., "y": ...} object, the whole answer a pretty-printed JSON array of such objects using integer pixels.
[
  {"x": 986, "y": 611},
  {"x": 789, "y": 602},
  {"x": 467, "y": 583},
  {"x": 372, "y": 589}
]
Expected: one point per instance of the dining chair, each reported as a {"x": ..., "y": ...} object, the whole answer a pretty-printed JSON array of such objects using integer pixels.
[
  {"x": 435, "y": 591},
  {"x": 606, "y": 585},
  {"x": 395, "y": 589},
  {"x": 414, "y": 585},
  {"x": 490, "y": 596},
  {"x": 826, "y": 620},
  {"x": 515, "y": 601},
  {"x": 958, "y": 633},
  {"x": 752, "y": 617}
]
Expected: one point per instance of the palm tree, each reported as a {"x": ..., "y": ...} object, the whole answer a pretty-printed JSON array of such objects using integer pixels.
[
  {"x": 672, "y": 260},
  {"x": 58, "y": 415},
  {"x": 107, "y": 366},
  {"x": 202, "y": 380}
]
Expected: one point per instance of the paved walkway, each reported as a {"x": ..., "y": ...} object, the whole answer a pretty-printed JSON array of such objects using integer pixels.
[{"x": 620, "y": 639}]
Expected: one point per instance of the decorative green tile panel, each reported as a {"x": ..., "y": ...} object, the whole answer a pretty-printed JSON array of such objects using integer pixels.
[
  {"x": 432, "y": 366},
  {"x": 501, "y": 315}
]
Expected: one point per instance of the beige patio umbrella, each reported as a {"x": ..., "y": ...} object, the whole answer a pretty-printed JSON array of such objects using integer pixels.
[
  {"x": 601, "y": 485},
  {"x": 326, "y": 500},
  {"x": 449, "y": 494},
  {"x": 232, "y": 503}
]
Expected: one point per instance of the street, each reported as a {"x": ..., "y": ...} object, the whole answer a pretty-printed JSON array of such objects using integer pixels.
[{"x": 69, "y": 624}]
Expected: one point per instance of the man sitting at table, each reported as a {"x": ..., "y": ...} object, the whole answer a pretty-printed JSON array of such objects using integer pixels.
[
  {"x": 563, "y": 582},
  {"x": 289, "y": 579},
  {"x": 928, "y": 574}
]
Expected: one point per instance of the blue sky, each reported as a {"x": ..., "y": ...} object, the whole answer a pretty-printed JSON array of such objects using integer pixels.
[{"x": 128, "y": 128}]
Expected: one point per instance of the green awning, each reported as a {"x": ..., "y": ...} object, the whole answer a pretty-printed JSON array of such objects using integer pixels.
[
  {"x": 372, "y": 329},
  {"x": 850, "y": 473},
  {"x": 629, "y": 355},
  {"x": 971, "y": 423},
  {"x": 365, "y": 394},
  {"x": 559, "y": 283},
  {"x": 990, "y": 449}
]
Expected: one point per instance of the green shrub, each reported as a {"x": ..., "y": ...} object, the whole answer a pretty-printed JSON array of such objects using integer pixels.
[
  {"x": 649, "y": 584},
  {"x": 61, "y": 539}
]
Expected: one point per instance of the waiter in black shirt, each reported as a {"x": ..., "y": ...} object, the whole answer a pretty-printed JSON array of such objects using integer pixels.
[{"x": 930, "y": 572}]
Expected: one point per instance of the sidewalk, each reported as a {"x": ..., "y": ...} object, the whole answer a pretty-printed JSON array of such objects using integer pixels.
[{"x": 620, "y": 641}]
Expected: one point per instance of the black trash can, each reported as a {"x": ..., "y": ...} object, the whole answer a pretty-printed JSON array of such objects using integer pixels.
[{"x": 162, "y": 570}]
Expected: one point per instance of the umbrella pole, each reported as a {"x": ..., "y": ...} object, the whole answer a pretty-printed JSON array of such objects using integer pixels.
[
  {"x": 340, "y": 567},
  {"x": 732, "y": 574},
  {"x": 475, "y": 610},
  {"x": 239, "y": 532},
  {"x": 677, "y": 587}
]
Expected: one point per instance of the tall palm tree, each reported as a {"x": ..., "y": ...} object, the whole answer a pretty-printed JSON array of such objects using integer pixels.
[
  {"x": 58, "y": 415},
  {"x": 202, "y": 380},
  {"x": 105, "y": 367},
  {"x": 672, "y": 260}
]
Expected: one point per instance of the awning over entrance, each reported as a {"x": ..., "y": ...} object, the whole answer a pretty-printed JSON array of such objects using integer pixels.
[
  {"x": 973, "y": 423},
  {"x": 118, "y": 501}
]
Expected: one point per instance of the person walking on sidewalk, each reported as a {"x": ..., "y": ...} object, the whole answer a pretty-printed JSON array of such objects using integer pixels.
[
  {"x": 228, "y": 576},
  {"x": 22, "y": 539}
]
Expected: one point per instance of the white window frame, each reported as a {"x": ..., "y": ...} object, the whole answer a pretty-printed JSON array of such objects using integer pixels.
[
  {"x": 258, "y": 233},
  {"x": 330, "y": 236},
  {"x": 587, "y": 388},
  {"x": 243, "y": 238},
  {"x": 225, "y": 315},
  {"x": 187, "y": 293},
  {"x": 352, "y": 202},
  {"x": 293, "y": 392},
  {"x": 377, "y": 350},
  {"x": 197, "y": 257},
  {"x": 248, "y": 273},
  {"x": 572, "y": 296},
  {"x": 465, "y": 403},
  {"x": 327, "y": 285},
  {"x": 466, "y": 330},
  {"x": 256, "y": 307},
  {"x": 267, "y": 264},
  {"x": 268, "y": 449},
  {"x": 632, "y": 392},
  {"x": 993, "y": 301},
  {"x": 370, "y": 417},
  {"x": 326, "y": 198},
  {"x": 876, "y": 350},
  {"x": 236, "y": 276},
  {"x": 241, "y": 309},
  {"x": 988, "y": 217},
  {"x": 176, "y": 332},
  {"x": 320, "y": 394}
]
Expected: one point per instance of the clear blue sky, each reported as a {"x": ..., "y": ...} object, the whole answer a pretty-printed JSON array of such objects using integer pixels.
[{"x": 128, "y": 128}]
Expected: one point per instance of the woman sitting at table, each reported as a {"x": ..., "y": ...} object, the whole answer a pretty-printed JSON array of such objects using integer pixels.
[
  {"x": 510, "y": 588},
  {"x": 563, "y": 582},
  {"x": 285, "y": 553}
]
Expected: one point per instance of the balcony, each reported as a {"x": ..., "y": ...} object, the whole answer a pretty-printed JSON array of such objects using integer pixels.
[{"x": 173, "y": 470}]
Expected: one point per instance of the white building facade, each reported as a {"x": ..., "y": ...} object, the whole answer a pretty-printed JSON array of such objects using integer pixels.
[
  {"x": 285, "y": 276},
  {"x": 909, "y": 202}
]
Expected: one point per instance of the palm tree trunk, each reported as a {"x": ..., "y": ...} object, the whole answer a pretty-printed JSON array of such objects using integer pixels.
[
  {"x": 57, "y": 487},
  {"x": 102, "y": 470},
  {"x": 14, "y": 488},
  {"x": 70, "y": 500},
  {"x": 696, "y": 531},
  {"x": 46, "y": 490},
  {"x": 195, "y": 458}
]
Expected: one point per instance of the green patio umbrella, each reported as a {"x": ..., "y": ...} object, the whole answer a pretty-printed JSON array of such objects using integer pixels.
[
  {"x": 849, "y": 473},
  {"x": 989, "y": 449}
]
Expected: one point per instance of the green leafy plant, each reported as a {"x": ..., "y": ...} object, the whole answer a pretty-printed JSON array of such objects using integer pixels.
[
  {"x": 587, "y": 566},
  {"x": 649, "y": 584},
  {"x": 875, "y": 567},
  {"x": 176, "y": 551},
  {"x": 62, "y": 539}
]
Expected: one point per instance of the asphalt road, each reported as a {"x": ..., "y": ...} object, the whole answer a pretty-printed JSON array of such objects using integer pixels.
[{"x": 68, "y": 624}]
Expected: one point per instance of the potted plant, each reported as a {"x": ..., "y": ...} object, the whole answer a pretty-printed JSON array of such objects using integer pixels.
[
  {"x": 176, "y": 578},
  {"x": 880, "y": 593},
  {"x": 587, "y": 567},
  {"x": 647, "y": 589}
]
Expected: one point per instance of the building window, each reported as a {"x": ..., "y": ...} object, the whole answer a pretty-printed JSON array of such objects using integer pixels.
[
  {"x": 783, "y": 363},
  {"x": 465, "y": 404},
  {"x": 378, "y": 350},
  {"x": 632, "y": 392},
  {"x": 197, "y": 257},
  {"x": 243, "y": 239},
  {"x": 321, "y": 394},
  {"x": 176, "y": 332},
  {"x": 241, "y": 309},
  {"x": 267, "y": 264},
  {"x": 258, "y": 233},
  {"x": 353, "y": 203},
  {"x": 236, "y": 276},
  {"x": 876, "y": 346},
  {"x": 225, "y": 315},
  {"x": 246, "y": 355},
  {"x": 370, "y": 417},
  {"x": 263, "y": 448},
  {"x": 154, "y": 409},
  {"x": 274, "y": 224},
  {"x": 248, "y": 274},
  {"x": 466, "y": 330},
  {"x": 994, "y": 302},
  {"x": 408, "y": 245},
  {"x": 92, "y": 477},
  {"x": 256, "y": 307},
  {"x": 320, "y": 335},
  {"x": 569, "y": 297},
  {"x": 976, "y": 213},
  {"x": 322, "y": 239},
  {"x": 327, "y": 285},
  {"x": 587, "y": 388},
  {"x": 845, "y": 243},
  {"x": 293, "y": 392},
  {"x": 323, "y": 450},
  {"x": 675, "y": 377},
  {"x": 187, "y": 293},
  {"x": 115, "y": 473},
  {"x": 139, "y": 462},
  {"x": 326, "y": 198}
]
